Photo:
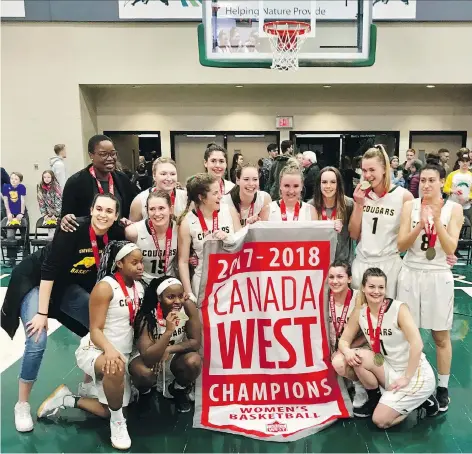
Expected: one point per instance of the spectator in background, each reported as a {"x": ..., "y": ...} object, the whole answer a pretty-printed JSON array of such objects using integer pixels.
[
  {"x": 14, "y": 199},
  {"x": 349, "y": 175},
  {"x": 49, "y": 196},
  {"x": 299, "y": 157},
  {"x": 238, "y": 160},
  {"x": 462, "y": 151},
  {"x": 279, "y": 163},
  {"x": 405, "y": 168},
  {"x": 396, "y": 173},
  {"x": 273, "y": 151},
  {"x": 262, "y": 175},
  {"x": 443, "y": 160},
  {"x": 5, "y": 180},
  {"x": 310, "y": 173},
  {"x": 141, "y": 177},
  {"x": 414, "y": 177},
  {"x": 58, "y": 165}
]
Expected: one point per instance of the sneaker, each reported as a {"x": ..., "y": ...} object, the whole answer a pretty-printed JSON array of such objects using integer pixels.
[
  {"x": 367, "y": 410},
  {"x": 431, "y": 405},
  {"x": 54, "y": 402},
  {"x": 87, "y": 390},
  {"x": 442, "y": 395},
  {"x": 360, "y": 396},
  {"x": 191, "y": 394},
  {"x": 182, "y": 401},
  {"x": 23, "y": 420},
  {"x": 119, "y": 435}
]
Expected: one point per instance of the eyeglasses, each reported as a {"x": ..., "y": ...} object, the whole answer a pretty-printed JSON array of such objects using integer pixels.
[{"x": 105, "y": 154}]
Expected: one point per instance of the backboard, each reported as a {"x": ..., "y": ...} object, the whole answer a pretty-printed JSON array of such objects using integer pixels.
[{"x": 232, "y": 32}]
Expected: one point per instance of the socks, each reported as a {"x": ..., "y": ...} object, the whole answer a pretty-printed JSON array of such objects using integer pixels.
[
  {"x": 116, "y": 415},
  {"x": 373, "y": 393},
  {"x": 177, "y": 386},
  {"x": 71, "y": 401},
  {"x": 443, "y": 380}
]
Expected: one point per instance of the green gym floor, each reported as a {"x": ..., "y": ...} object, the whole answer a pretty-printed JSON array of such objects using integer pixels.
[{"x": 154, "y": 426}]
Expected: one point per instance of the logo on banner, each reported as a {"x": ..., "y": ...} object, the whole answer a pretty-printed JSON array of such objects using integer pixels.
[{"x": 276, "y": 427}]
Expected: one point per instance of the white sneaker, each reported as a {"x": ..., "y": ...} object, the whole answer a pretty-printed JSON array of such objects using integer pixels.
[
  {"x": 23, "y": 420},
  {"x": 119, "y": 435},
  {"x": 87, "y": 390},
  {"x": 360, "y": 396},
  {"x": 54, "y": 402}
]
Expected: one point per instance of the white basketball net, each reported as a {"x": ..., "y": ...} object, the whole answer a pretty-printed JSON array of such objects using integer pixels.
[{"x": 286, "y": 39}]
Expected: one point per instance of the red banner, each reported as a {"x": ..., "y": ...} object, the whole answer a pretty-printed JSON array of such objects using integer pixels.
[{"x": 266, "y": 369}]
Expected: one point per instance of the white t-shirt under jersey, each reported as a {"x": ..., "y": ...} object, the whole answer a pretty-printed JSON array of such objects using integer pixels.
[
  {"x": 244, "y": 214},
  {"x": 380, "y": 225},
  {"x": 276, "y": 215},
  {"x": 339, "y": 312},
  {"x": 393, "y": 346},
  {"x": 225, "y": 223},
  {"x": 117, "y": 328},
  {"x": 416, "y": 255},
  {"x": 154, "y": 265},
  {"x": 180, "y": 201}
]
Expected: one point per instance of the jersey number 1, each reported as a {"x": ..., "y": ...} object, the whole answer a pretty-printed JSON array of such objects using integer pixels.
[{"x": 374, "y": 226}]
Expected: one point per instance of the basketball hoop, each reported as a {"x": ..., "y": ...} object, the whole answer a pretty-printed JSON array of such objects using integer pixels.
[{"x": 286, "y": 38}]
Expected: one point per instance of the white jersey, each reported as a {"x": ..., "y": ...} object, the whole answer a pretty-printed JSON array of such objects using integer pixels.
[
  {"x": 380, "y": 225},
  {"x": 179, "y": 333},
  {"x": 180, "y": 201},
  {"x": 393, "y": 344},
  {"x": 244, "y": 213},
  {"x": 339, "y": 312},
  {"x": 276, "y": 215},
  {"x": 416, "y": 254},
  {"x": 118, "y": 329},
  {"x": 152, "y": 261},
  {"x": 225, "y": 223},
  {"x": 228, "y": 185}
]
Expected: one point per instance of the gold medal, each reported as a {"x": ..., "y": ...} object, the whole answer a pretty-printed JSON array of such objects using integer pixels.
[
  {"x": 182, "y": 316},
  {"x": 365, "y": 185},
  {"x": 430, "y": 253},
  {"x": 378, "y": 359}
]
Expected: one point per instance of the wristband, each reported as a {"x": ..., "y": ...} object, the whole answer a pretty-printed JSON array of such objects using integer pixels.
[
  {"x": 192, "y": 298},
  {"x": 40, "y": 313}
]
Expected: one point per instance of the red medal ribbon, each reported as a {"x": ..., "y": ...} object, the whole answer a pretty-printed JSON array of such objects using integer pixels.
[
  {"x": 111, "y": 188},
  {"x": 283, "y": 211},
  {"x": 172, "y": 197},
  {"x": 160, "y": 316},
  {"x": 167, "y": 244},
  {"x": 369, "y": 192},
  {"x": 133, "y": 304},
  {"x": 375, "y": 336},
  {"x": 203, "y": 223},
  {"x": 332, "y": 308},
  {"x": 324, "y": 216},
  {"x": 222, "y": 187},
  {"x": 93, "y": 241},
  {"x": 430, "y": 230}
]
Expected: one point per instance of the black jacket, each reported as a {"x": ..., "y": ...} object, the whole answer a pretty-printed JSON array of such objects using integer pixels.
[
  {"x": 274, "y": 176},
  {"x": 58, "y": 261},
  {"x": 310, "y": 176},
  {"x": 80, "y": 189}
]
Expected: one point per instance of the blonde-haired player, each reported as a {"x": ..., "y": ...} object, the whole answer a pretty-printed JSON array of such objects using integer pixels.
[
  {"x": 289, "y": 207},
  {"x": 429, "y": 231},
  {"x": 396, "y": 362},
  {"x": 375, "y": 220}
]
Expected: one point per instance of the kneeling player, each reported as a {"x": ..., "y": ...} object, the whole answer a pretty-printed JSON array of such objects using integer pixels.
[
  {"x": 342, "y": 301},
  {"x": 167, "y": 338},
  {"x": 396, "y": 362}
]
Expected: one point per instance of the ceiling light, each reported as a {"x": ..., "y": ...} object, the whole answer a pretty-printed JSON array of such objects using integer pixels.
[
  {"x": 239, "y": 86},
  {"x": 326, "y": 86},
  {"x": 430, "y": 86}
]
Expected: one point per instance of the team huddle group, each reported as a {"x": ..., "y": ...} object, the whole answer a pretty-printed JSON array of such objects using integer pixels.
[{"x": 124, "y": 274}]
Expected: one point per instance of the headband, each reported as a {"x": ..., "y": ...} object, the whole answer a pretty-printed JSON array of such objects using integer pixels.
[
  {"x": 124, "y": 251},
  {"x": 167, "y": 283}
]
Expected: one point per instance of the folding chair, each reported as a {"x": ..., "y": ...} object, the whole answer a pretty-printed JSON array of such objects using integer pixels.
[
  {"x": 42, "y": 241},
  {"x": 18, "y": 243}
]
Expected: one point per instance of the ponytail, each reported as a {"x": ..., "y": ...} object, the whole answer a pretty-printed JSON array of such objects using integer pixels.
[{"x": 378, "y": 151}]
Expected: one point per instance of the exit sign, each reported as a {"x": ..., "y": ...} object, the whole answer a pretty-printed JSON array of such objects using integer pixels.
[{"x": 283, "y": 122}]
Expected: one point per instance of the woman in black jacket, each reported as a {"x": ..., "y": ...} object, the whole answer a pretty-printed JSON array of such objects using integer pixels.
[
  {"x": 98, "y": 178},
  {"x": 55, "y": 283}
]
